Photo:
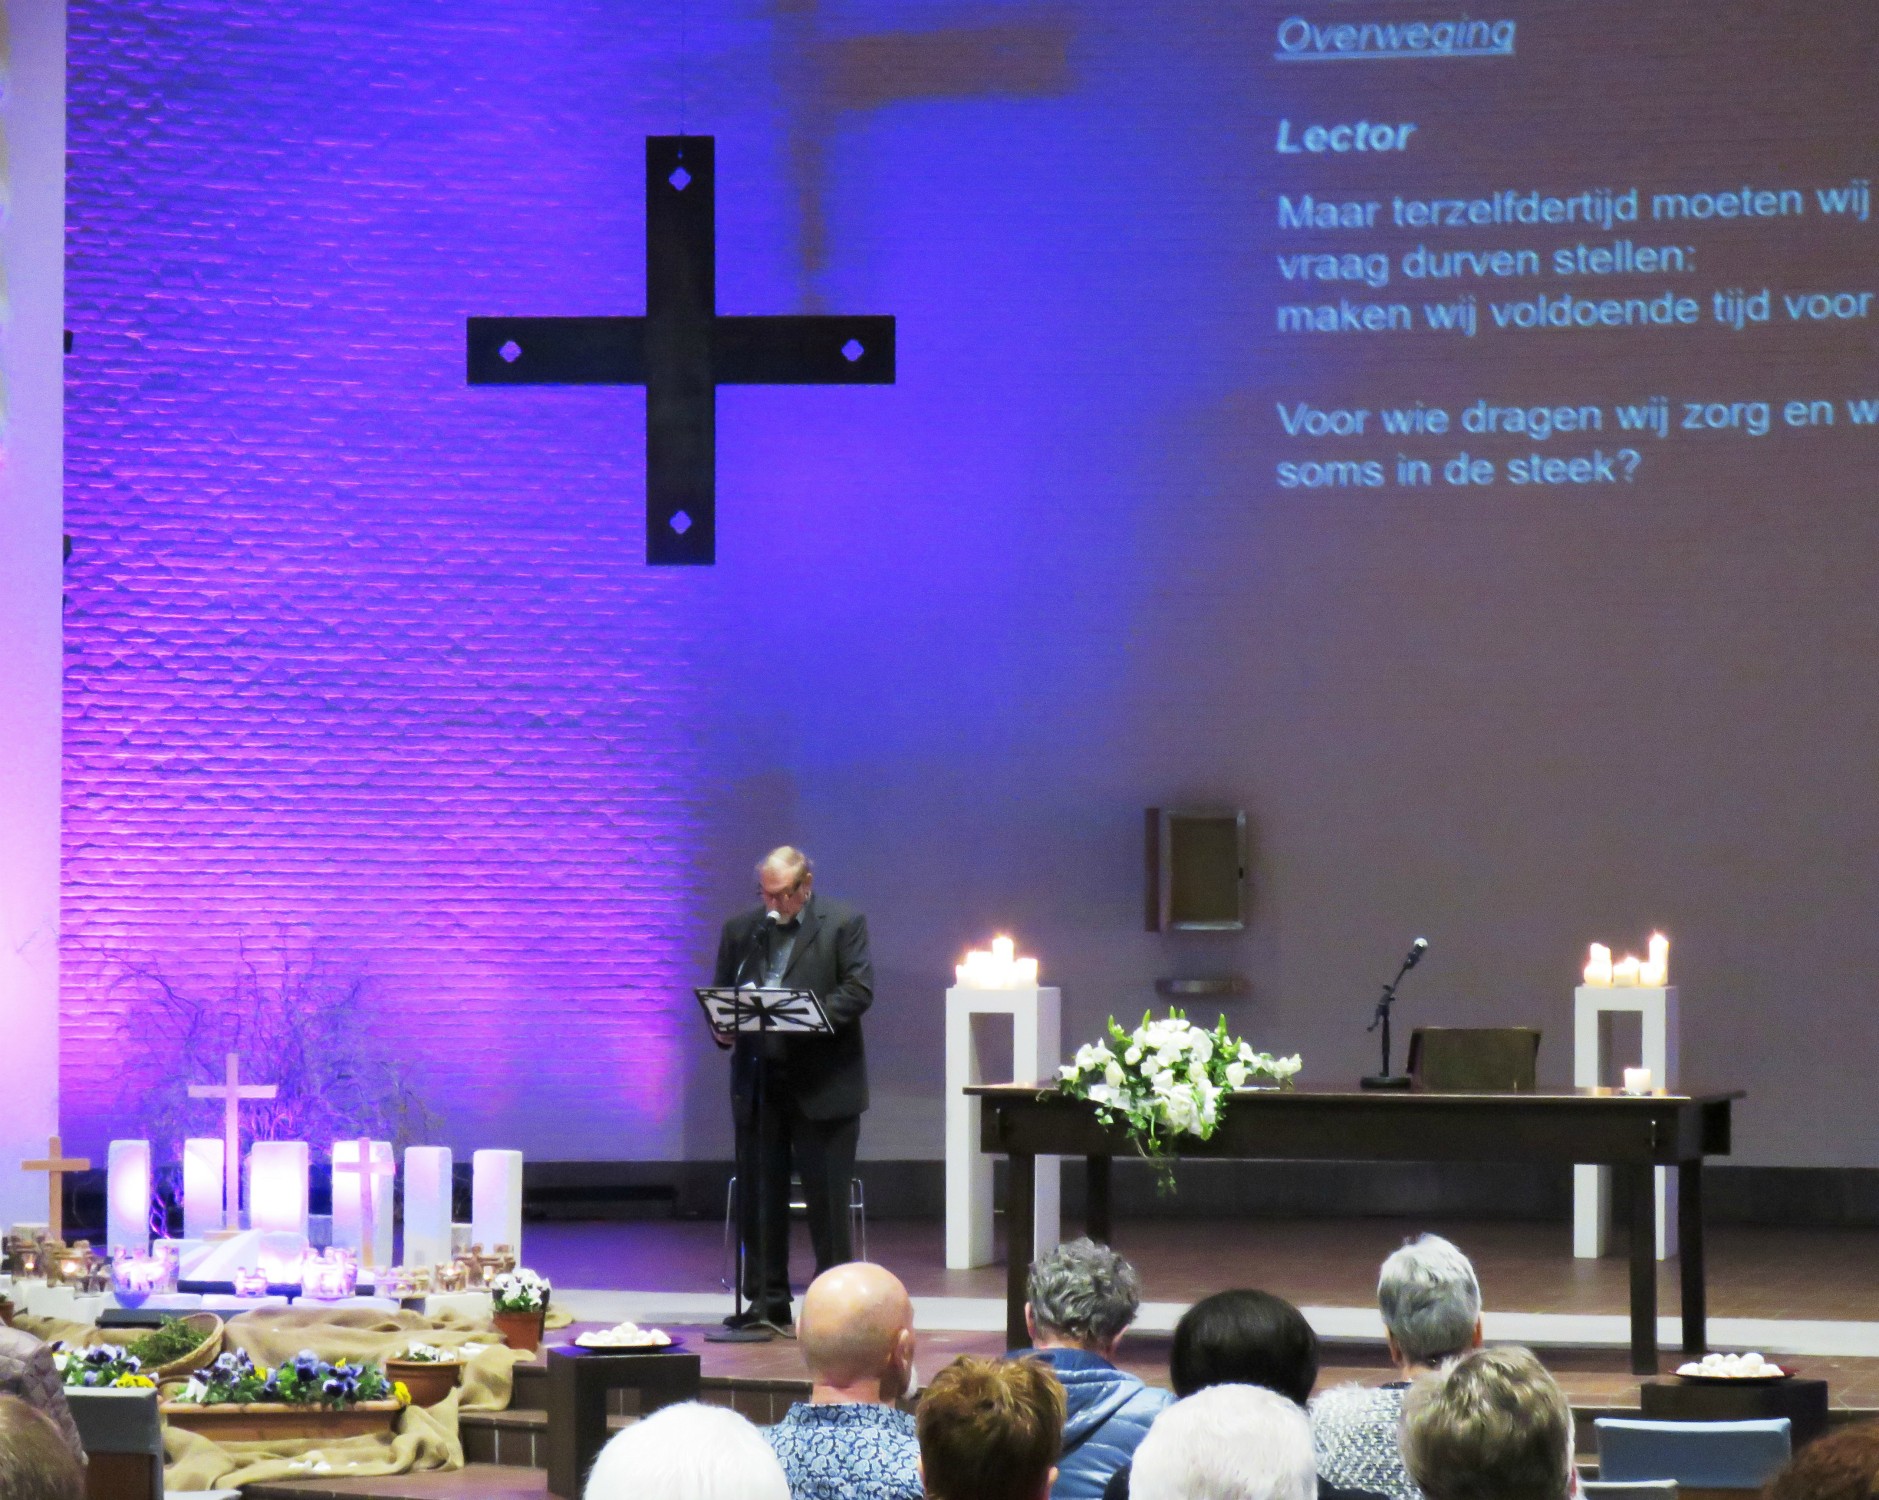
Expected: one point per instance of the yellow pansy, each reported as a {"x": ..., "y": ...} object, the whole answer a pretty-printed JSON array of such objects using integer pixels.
[{"x": 402, "y": 1392}]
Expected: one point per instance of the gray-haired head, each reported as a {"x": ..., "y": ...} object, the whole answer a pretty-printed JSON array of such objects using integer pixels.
[
  {"x": 688, "y": 1452},
  {"x": 1083, "y": 1293},
  {"x": 789, "y": 862},
  {"x": 1429, "y": 1299},
  {"x": 1228, "y": 1442}
]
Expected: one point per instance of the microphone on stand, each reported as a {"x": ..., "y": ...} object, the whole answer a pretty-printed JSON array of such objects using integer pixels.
[{"x": 1386, "y": 1079}]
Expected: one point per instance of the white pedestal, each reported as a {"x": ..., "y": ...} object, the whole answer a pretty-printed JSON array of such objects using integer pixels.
[
  {"x": 427, "y": 1205},
  {"x": 1036, "y": 1050},
  {"x": 471, "y": 1305},
  {"x": 348, "y": 1230},
  {"x": 277, "y": 1187},
  {"x": 496, "y": 1200},
  {"x": 202, "y": 1187},
  {"x": 127, "y": 1197},
  {"x": 1592, "y": 1009}
]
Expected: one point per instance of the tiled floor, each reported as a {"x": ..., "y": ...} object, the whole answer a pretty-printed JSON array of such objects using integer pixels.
[{"x": 1753, "y": 1272}]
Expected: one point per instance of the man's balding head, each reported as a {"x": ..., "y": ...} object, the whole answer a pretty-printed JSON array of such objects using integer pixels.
[{"x": 856, "y": 1329}]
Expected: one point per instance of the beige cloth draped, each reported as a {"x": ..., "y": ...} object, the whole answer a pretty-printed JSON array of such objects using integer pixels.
[{"x": 424, "y": 1438}]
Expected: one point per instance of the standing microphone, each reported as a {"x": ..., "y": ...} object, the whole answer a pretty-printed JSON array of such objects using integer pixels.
[{"x": 1386, "y": 1079}]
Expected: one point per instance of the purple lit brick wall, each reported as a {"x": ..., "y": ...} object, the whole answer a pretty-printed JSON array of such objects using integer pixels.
[{"x": 363, "y": 662}]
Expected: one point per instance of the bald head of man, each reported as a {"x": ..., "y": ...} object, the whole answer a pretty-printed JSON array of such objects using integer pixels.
[{"x": 856, "y": 1331}]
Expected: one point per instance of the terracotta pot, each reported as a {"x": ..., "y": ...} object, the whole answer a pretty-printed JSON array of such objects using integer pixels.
[
  {"x": 268, "y": 1422},
  {"x": 428, "y": 1381},
  {"x": 521, "y": 1330}
]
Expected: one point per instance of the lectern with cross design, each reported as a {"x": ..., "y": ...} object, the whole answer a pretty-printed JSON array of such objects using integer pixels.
[{"x": 681, "y": 350}]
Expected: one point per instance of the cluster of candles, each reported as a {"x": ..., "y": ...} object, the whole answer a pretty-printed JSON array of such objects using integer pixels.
[
  {"x": 1650, "y": 972},
  {"x": 1000, "y": 969}
]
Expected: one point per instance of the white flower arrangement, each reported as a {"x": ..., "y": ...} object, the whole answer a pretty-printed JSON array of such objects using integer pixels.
[
  {"x": 1168, "y": 1078},
  {"x": 519, "y": 1291}
]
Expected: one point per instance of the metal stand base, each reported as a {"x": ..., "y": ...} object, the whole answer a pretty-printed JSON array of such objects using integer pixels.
[{"x": 1385, "y": 1081}]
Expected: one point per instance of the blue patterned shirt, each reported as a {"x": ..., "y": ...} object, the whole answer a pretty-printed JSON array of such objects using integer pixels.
[{"x": 848, "y": 1451}]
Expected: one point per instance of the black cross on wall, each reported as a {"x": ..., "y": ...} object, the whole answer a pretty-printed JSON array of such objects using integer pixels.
[{"x": 681, "y": 351}]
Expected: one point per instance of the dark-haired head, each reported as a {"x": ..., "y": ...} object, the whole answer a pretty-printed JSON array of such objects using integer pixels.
[{"x": 1244, "y": 1338}]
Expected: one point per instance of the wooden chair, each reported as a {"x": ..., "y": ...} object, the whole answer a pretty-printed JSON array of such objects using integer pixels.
[{"x": 1474, "y": 1059}]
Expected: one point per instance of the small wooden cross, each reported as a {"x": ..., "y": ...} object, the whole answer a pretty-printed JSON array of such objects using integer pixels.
[
  {"x": 231, "y": 1092},
  {"x": 368, "y": 1169},
  {"x": 55, "y": 1167}
]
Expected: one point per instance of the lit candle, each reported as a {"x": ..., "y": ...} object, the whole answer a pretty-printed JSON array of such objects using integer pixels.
[
  {"x": 997, "y": 969},
  {"x": 1637, "y": 1080},
  {"x": 1656, "y": 969},
  {"x": 1625, "y": 971},
  {"x": 1599, "y": 970}
]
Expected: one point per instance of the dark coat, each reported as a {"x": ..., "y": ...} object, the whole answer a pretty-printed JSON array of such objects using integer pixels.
[{"x": 827, "y": 1076}]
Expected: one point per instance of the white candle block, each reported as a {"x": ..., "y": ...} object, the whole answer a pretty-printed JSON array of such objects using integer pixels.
[
  {"x": 1598, "y": 969},
  {"x": 127, "y": 1197},
  {"x": 277, "y": 1187},
  {"x": 348, "y": 1206},
  {"x": 496, "y": 1199},
  {"x": 1637, "y": 1080},
  {"x": 427, "y": 1205},
  {"x": 1625, "y": 971},
  {"x": 202, "y": 1187},
  {"x": 1655, "y": 973}
]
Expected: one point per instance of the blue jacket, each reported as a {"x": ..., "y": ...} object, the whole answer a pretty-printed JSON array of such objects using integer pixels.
[{"x": 1109, "y": 1412}]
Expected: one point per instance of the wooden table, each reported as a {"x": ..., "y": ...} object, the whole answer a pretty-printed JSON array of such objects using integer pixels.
[
  {"x": 1630, "y": 1133},
  {"x": 578, "y": 1382}
]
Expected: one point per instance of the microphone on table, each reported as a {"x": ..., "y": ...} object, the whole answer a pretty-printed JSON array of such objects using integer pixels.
[{"x": 1386, "y": 1079}]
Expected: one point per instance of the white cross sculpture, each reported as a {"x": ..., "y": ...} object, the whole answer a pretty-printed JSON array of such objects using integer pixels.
[
  {"x": 231, "y": 1092},
  {"x": 368, "y": 1169}
]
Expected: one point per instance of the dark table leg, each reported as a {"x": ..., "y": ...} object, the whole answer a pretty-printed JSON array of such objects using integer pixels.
[
  {"x": 577, "y": 1404},
  {"x": 1690, "y": 1253},
  {"x": 1096, "y": 1209},
  {"x": 1020, "y": 1238},
  {"x": 1640, "y": 1184}
]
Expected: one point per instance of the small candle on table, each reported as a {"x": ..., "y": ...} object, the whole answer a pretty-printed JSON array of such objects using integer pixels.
[{"x": 1637, "y": 1080}]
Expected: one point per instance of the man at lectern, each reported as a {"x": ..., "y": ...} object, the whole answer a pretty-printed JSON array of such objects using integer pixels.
[{"x": 814, "y": 1087}]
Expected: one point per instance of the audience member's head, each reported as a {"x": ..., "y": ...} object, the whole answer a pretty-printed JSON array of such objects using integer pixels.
[
  {"x": 990, "y": 1429},
  {"x": 1228, "y": 1442},
  {"x": 687, "y": 1452},
  {"x": 1492, "y": 1426},
  {"x": 856, "y": 1329},
  {"x": 1082, "y": 1295},
  {"x": 1841, "y": 1466},
  {"x": 1431, "y": 1302},
  {"x": 35, "y": 1463},
  {"x": 1244, "y": 1338}
]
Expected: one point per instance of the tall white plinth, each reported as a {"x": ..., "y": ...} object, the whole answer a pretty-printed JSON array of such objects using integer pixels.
[
  {"x": 202, "y": 1187},
  {"x": 1593, "y": 1007},
  {"x": 496, "y": 1200},
  {"x": 1036, "y": 1018},
  {"x": 127, "y": 1197},
  {"x": 349, "y": 1202},
  {"x": 277, "y": 1187},
  {"x": 427, "y": 1205}
]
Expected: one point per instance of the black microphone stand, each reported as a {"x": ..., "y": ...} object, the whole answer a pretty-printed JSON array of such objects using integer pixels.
[
  {"x": 1386, "y": 1079},
  {"x": 758, "y": 1330}
]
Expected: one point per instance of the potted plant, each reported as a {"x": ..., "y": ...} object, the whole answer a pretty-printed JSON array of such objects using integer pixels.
[
  {"x": 427, "y": 1372},
  {"x": 236, "y": 1400},
  {"x": 521, "y": 1308}
]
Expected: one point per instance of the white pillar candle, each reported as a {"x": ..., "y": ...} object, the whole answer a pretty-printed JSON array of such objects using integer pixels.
[
  {"x": 127, "y": 1197},
  {"x": 496, "y": 1199},
  {"x": 1625, "y": 971},
  {"x": 1637, "y": 1080},
  {"x": 348, "y": 1203},
  {"x": 277, "y": 1187},
  {"x": 1598, "y": 969},
  {"x": 202, "y": 1187},
  {"x": 1656, "y": 969},
  {"x": 427, "y": 1205}
]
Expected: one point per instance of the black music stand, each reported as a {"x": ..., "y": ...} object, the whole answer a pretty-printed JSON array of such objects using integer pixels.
[{"x": 767, "y": 1012}]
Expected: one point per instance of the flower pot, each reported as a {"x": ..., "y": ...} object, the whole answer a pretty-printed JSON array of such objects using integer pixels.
[
  {"x": 521, "y": 1330},
  {"x": 269, "y": 1422},
  {"x": 428, "y": 1380}
]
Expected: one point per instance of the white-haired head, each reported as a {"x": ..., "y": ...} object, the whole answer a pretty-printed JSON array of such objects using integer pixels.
[
  {"x": 1430, "y": 1300},
  {"x": 1228, "y": 1442},
  {"x": 688, "y": 1452}
]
